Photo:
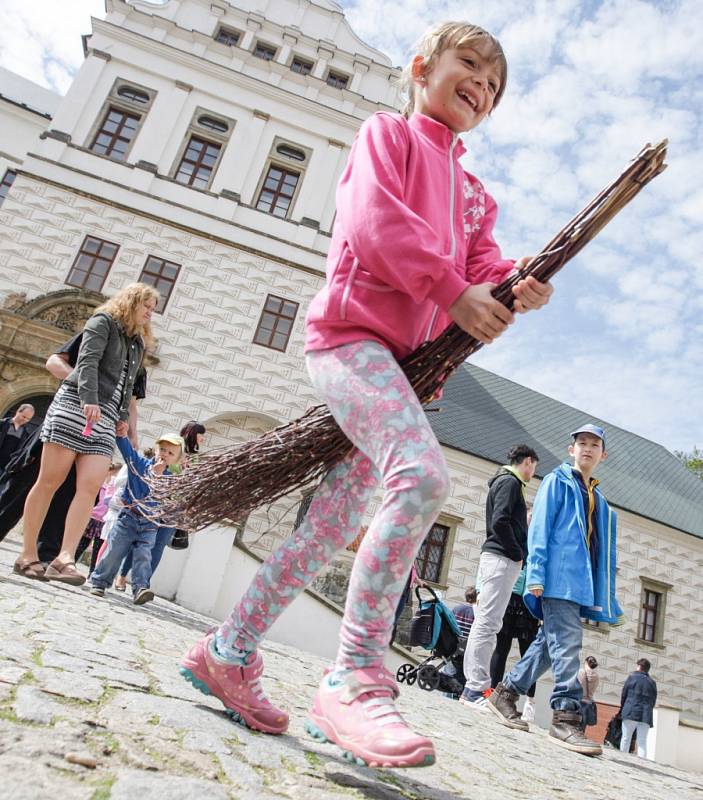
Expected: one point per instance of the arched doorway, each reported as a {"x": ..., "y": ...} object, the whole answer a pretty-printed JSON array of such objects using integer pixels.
[{"x": 30, "y": 331}]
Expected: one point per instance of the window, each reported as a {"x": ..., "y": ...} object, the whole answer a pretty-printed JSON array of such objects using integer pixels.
[
  {"x": 135, "y": 95},
  {"x": 228, "y": 37},
  {"x": 213, "y": 124},
  {"x": 276, "y": 323},
  {"x": 198, "y": 162},
  {"x": 277, "y": 192},
  {"x": 431, "y": 555},
  {"x": 290, "y": 152},
  {"x": 92, "y": 264},
  {"x": 648, "y": 615},
  {"x": 265, "y": 51},
  {"x": 301, "y": 66},
  {"x": 160, "y": 274},
  {"x": 115, "y": 134},
  {"x": 650, "y": 628},
  {"x": 116, "y": 126},
  {"x": 7, "y": 180},
  {"x": 302, "y": 510},
  {"x": 337, "y": 80}
]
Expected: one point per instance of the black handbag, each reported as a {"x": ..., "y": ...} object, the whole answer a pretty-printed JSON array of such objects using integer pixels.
[
  {"x": 589, "y": 713},
  {"x": 179, "y": 541}
]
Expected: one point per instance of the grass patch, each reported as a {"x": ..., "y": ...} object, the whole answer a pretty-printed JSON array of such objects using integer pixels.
[
  {"x": 155, "y": 720},
  {"x": 313, "y": 759},
  {"x": 103, "y": 788},
  {"x": 36, "y": 657}
]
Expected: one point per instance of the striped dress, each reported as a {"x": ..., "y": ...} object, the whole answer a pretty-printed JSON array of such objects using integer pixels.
[{"x": 65, "y": 421}]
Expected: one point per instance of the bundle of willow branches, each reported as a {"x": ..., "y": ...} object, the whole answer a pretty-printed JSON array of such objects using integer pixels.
[{"x": 229, "y": 483}]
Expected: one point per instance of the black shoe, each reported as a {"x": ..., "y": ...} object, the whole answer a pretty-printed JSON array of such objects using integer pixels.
[
  {"x": 144, "y": 595},
  {"x": 502, "y": 703},
  {"x": 566, "y": 731}
]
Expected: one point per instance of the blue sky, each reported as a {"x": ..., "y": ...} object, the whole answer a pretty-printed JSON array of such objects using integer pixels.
[{"x": 590, "y": 83}]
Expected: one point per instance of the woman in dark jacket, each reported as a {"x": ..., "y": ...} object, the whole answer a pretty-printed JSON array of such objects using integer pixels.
[
  {"x": 79, "y": 426},
  {"x": 637, "y": 701}
]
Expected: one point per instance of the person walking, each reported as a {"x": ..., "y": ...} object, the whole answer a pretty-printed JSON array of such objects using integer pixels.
[
  {"x": 80, "y": 424},
  {"x": 637, "y": 701},
  {"x": 571, "y": 575},
  {"x": 502, "y": 557}
]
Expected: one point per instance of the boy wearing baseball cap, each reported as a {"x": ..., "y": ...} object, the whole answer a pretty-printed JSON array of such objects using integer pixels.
[
  {"x": 570, "y": 576},
  {"x": 132, "y": 530}
]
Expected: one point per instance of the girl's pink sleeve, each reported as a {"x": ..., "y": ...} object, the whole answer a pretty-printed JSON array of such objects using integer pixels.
[
  {"x": 484, "y": 261},
  {"x": 388, "y": 238}
]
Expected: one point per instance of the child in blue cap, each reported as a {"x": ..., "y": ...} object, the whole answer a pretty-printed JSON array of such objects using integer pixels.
[{"x": 570, "y": 576}]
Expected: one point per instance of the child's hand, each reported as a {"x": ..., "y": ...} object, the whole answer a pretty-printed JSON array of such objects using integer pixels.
[
  {"x": 536, "y": 592},
  {"x": 121, "y": 429},
  {"x": 477, "y": 312},
  {"x": 158, "y": 467},
  {"x": 530, "y": 293}
]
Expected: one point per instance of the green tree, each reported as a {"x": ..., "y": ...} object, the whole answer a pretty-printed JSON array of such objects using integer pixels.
[{"x": 692, "y": 460}]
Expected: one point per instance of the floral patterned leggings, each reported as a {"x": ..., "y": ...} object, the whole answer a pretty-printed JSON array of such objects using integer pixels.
[{"x": 373, "y": 403}]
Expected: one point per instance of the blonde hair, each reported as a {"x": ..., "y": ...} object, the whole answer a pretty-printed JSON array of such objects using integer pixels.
[
  {"x": 443, "y": 37},
  {"x": 123, "y": 308}
]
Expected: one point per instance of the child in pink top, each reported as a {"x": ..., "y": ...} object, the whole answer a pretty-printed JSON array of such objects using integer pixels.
[{"x": 412, "y": 250}]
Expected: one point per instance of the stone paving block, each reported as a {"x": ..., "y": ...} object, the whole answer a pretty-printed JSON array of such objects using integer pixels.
[
  {"x": 205, "y": 742},
  {"x": 133, "y": 784},
  {"x": 11, "y": 672},
  {"x": 170, "y": 712},
  {"x": 32, "y": 705},
  {"x": 72, "y": 685}
]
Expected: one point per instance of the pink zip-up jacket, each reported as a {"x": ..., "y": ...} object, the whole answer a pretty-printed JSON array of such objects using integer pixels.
[{"x": 412, "y": 231}]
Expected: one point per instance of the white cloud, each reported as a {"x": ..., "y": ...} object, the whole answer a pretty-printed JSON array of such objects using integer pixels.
[{"x": 41, "y": 39}]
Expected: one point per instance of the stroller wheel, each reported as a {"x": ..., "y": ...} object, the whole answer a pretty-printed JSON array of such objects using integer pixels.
[
  {"x": 428, "y": 677},
  {"x": 405, "y": 674}
]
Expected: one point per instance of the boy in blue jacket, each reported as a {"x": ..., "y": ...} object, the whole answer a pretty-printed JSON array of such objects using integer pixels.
[
  {"x": 570, "y": 576},
  {"x": 132, "y": 530}
]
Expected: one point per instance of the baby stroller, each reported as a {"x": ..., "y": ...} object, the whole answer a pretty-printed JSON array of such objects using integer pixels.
[{"x": 434, "y": 628}]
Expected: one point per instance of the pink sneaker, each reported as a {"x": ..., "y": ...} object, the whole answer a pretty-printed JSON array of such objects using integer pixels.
[
  {"x": 359, "y": 716},
  {"x": 236, "y": 686}
]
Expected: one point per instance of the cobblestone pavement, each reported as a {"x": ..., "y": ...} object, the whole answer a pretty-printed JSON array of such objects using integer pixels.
[{"x": 92, "y": 706}]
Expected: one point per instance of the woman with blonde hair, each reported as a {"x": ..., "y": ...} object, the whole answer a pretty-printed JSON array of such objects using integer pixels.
[{"x": 79, "y": 426}]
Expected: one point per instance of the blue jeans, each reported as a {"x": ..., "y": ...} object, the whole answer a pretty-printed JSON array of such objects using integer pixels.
[
  {"x": 163, "y": 538},
  {"x": 557, "y": 645},
  {"x": 132, "y": 532}
]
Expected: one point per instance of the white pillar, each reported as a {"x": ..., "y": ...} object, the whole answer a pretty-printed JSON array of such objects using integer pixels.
[
  {"x": 71, "y": 110},
  {"x": 662, "y": 742},
  {"x": 208, "y": 555}
]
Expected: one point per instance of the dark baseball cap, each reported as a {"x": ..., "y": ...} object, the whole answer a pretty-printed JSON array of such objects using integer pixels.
[{"x": 589, "y": 427}]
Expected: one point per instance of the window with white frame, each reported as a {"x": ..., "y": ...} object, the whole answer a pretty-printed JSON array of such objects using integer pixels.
[
  {"x": 202, "y": 149},
  {"x": 119, "y": 120},
  {"x": 283, "y": 174}
]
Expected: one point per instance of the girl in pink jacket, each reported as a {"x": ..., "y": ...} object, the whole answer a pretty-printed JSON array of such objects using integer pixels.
[{"x": 412, "y": 250}]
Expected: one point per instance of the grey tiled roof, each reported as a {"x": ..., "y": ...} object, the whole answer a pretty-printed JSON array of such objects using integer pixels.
[{"x": 484, "y": 414}]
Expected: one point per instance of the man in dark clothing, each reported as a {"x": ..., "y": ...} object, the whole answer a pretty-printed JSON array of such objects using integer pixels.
[
  {"x": 502, "y": 556},
  {"x": 637, "y": 700},
  {"x": 13, "y": 433}
]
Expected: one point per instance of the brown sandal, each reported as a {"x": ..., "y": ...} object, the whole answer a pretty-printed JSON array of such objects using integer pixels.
[
  {"x": 64, "y": 573},
  {"x": 30, "y": 569}
]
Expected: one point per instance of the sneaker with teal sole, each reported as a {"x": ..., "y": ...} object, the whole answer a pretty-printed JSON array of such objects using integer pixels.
[
  {"x": 358, "y": 714},
  {"x": 237, "y": 686}
]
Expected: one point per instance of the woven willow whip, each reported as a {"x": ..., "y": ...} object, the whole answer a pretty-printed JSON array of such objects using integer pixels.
[{"x": 231, "y": 482}]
